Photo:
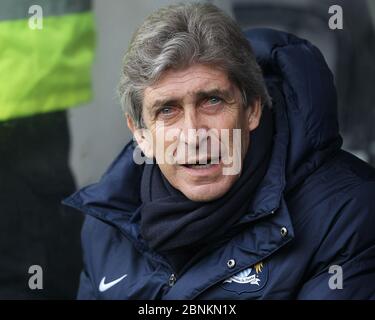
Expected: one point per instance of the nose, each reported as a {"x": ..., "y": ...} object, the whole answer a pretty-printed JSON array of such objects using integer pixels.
[
  {"x": 192, "y": 140},
  {"x": 192, "y": 123}
]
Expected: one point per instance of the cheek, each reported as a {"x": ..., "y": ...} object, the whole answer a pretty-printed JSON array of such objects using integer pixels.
[
  {"x": 169, "y": 171},
  {"x": 165, "y": 145},
  {"x": 224, "y": 121},
  {"x": 230, "y": 118}
]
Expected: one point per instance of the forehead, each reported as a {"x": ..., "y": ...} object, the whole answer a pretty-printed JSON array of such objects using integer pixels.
[{"x": 180, "y": 83}]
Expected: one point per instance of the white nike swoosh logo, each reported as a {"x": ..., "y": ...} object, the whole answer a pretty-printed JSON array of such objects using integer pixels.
[{"x": 105, "y": 286}]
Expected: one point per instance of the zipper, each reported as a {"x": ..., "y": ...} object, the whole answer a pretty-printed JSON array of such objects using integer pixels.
[{"x": 172, "y": 280}]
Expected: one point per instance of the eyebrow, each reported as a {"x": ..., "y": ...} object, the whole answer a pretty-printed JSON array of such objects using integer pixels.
[{"x": 226, "y": 94}]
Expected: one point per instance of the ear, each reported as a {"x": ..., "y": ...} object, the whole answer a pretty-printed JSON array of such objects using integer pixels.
[
  {"x": 130, "y": 123},
  {"x": 255, "y": 114},
  {"x": 142, "y": 136}
]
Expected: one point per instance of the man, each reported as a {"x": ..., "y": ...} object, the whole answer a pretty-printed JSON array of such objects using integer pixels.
[{"x": 181, "y": 219}]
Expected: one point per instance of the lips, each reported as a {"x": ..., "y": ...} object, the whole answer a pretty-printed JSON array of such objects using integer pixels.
[
  {"x": 201, "y": 163},
  {"x": 202, "y": 170},
  {"x": 198, "y": 166}
]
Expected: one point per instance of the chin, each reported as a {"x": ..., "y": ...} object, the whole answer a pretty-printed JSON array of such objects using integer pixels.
[
  {"x": 205, "y": 192},
  {"x": 200, "y": 185}
]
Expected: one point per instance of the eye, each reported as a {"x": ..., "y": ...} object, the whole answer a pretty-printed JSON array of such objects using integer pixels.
[
  {"x": 166, "y": 110},
  {"x": 214, "y": 100},
  {"x": 212, "y": 103}
]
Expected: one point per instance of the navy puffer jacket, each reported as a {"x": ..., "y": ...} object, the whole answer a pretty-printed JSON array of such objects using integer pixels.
[{"x": 312, "y": 217}]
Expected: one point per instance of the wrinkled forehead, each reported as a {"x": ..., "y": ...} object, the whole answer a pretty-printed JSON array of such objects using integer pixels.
[{"x": 190, "y": 82}]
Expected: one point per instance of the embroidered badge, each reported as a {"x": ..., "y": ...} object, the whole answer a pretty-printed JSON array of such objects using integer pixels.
[{"x": 248, "y": 280}]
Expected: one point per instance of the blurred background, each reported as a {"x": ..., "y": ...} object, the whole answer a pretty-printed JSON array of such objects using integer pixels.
[
  {"x": 51, "y": 149},
  {"x": 98, "y": 130}
]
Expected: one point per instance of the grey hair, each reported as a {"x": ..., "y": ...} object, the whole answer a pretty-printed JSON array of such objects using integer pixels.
[{"x": 178, "y": 36}]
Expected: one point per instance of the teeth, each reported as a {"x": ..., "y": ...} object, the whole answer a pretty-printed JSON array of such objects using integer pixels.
[{"x": 199, "y": 166}]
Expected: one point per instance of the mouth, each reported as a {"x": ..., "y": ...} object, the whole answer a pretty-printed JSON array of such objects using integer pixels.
[
  {"x": 201, "y": 163},
  {"x": 199, "y": 166},
  {"x": 209, "y": 167}
]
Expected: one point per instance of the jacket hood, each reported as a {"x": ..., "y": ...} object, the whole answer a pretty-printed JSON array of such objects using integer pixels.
[
  {"x": 309, "y": 92},
  {"x": 305, "y": 111}
]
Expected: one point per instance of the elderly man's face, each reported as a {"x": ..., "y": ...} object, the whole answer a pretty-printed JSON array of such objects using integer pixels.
[{"x": 202, "y": 98}]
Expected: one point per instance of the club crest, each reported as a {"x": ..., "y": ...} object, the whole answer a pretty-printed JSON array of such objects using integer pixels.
[{"x": 248, "y": 280}]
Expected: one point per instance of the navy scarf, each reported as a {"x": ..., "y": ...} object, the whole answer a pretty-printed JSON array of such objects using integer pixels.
[{"x": 176, "y": 226}]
